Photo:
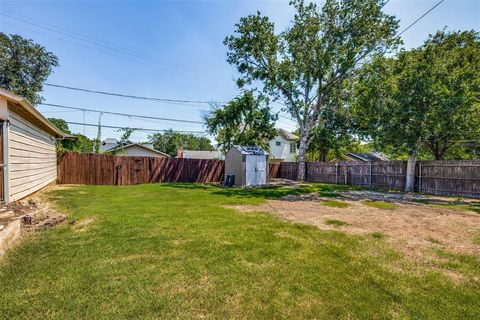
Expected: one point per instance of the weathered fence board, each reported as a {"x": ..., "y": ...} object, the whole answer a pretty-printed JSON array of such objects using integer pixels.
[
  {"x": 84, "y": 168},
  {"x": 77, "y": 168},
  {"x": 454, "y": 178}
]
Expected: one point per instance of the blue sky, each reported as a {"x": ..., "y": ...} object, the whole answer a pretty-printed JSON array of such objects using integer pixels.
[{"x": 175, "y": 51}]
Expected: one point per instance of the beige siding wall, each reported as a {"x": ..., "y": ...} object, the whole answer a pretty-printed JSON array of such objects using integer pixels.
[
  {"x": 33, "y": 162},
  {"x": 138, "y": 151},
  {"x": 234, "y": 165}
]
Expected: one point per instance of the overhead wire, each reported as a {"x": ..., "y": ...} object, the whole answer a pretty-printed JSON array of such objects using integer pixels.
[
  {"x": 122, "y": 95},
  {"x": 120, "y": 113},
  {"x": 113, "y": 50},
  {"x": 135, "y": 129}
]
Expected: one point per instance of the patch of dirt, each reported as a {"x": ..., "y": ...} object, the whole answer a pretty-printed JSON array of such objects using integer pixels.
[
  {"x": 411, "y": 227},
  {"x": 34, "y": 213},
  {"x": 83, "y": 224}
]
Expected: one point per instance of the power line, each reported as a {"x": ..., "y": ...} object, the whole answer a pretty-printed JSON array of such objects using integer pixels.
[
  {"x": 136, "y": 129},
  {"x": 119, "y": 113},
  {"x": 92, "y": 41},
  {"x": 421, "y": 17},
  {"x": 340, "y": 76},
  {"x": 131, "y": 96}
]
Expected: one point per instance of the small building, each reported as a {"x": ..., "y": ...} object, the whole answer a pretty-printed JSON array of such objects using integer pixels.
[
  {"x": 113, "y": 146},
  {"x": 366, "y": 157},
  {"x": 249, "y": 165},
  {"x": 27, "y": 154},
  {"x": 283, "y": 147},
  {"x": 198, "y": 154}
]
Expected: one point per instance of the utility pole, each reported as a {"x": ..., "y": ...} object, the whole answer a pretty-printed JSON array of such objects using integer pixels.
[
  {"x": 84, "y": 122},
  {"x": 99, "y": 134}
]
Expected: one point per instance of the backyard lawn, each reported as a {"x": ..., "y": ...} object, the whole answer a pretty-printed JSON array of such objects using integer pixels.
[{"x": 183, "y": 251}]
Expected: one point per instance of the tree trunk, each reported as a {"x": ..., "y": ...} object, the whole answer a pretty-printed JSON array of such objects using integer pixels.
[
  {"x": 410, "y": 178},
  {"x": 302, "y": 150}
]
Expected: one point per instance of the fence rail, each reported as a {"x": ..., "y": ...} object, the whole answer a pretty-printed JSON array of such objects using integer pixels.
[
  {"x": 79, "y": 168},
  {"x": 451, "y": 178},
  {"x": 86, "y": 168}
]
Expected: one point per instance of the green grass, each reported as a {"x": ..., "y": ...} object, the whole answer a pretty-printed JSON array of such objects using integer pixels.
[
  {"x": 433, "y": 240},
  {"x": 176, "y": 251},
  {"x": 338, "y": 223},
  {"x": 475, "y": 207},
  {"x": 377, "y": 235},
  {"x": 476, "y": 238},
  {"x": 380, "y": 204},
  {"x": 335, "y": 204}
]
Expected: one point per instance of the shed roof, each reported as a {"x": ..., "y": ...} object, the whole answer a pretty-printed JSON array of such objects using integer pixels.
[
  {"x": 250, "y": 150},
  {"x": 24, "y": 108}
]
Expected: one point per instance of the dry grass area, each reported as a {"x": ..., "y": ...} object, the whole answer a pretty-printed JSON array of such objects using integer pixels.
[{"x": 413, "y": 228}]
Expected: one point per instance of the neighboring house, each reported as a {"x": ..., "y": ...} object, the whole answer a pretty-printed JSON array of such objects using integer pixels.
[
  {"x": 27, "y": 153},
  {"x": 197, "y": 154},
  {"x": 284, "y": 147},
  {"x": 114, "y": 147},
  {"x": 366, "y": 157}
]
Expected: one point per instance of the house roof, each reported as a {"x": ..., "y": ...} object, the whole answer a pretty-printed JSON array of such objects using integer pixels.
[
  {"x": 250, "y": 150},
  {"x": 369, "y": 156},
  {"x": 24, "y": 108},
  {"x": 200, "y": 154},
  {"x": 118, "y": 147},
  {"x": 287, "y": 135}
]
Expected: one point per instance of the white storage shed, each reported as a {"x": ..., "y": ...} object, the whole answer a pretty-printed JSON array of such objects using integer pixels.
[
  {"x": 249, "y": 164},
  {"x": 28, "y": 156}
]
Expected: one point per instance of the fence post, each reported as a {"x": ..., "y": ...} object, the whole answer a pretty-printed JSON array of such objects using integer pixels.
[
  {"x": 336, "y": 172},
  {"x": 370, "y": 166},
  {"x": 419, "y": 177}
]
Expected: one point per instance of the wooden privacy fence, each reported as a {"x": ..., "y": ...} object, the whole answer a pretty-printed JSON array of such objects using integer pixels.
[
  {"x": 453, "y": 178},
  {"x": 87, "y": 168},
  {"x": 84, "y": 168}
]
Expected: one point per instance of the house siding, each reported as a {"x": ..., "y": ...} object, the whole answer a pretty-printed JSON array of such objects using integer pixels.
[
  {"x": 138, "y": 151},
  {"x": 281, "y": 152},
  {"x": 32, "y": 158}
]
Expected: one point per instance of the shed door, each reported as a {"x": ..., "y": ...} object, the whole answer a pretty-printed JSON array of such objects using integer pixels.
[
  {"x": 251, "y": 171},
  {"x": 255, "y": 170},
  {"x": 261, "y": 170}
]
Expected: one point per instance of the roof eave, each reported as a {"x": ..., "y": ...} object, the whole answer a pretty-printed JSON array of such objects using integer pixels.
[{"x": 31, "y": 109}]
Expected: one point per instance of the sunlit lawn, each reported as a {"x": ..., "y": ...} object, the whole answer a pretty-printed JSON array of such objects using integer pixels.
[{"x": 178, "y": 251}]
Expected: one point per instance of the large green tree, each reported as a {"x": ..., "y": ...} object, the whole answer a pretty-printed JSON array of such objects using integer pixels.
[
  {"x": 78, "y": 143},
  {"x": 246, "y": 120},
  {"x": 24, "y": 66},
  {"x": 304, "y": 66},
  {"x": 427, "y": 96},
  {"x": 169, "y": 142},
  {"x": 332, "y": 136}
]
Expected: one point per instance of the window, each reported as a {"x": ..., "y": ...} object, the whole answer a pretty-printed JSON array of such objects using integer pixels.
[
  {"x": 278, "y": 143},
  {"x": 293, "y": 147}
]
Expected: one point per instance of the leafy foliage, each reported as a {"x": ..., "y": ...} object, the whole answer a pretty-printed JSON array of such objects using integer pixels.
[
  {"x": 81, "y": 143},
  {"x": 305, "y": 66},
  {"x": 24, "y": 66},
  {"x": 245, "y": 120},
  {"x": 424, "y": 97},
  {"x": 126, "y": 134},
  {"x": 169, "y": 142}
]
